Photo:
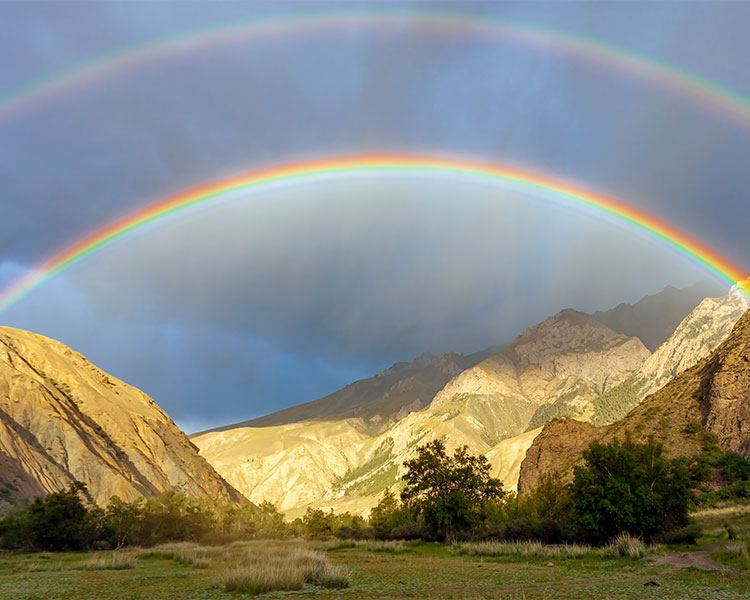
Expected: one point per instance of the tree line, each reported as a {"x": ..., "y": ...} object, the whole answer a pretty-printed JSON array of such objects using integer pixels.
[{"x": 619, "y": 487}]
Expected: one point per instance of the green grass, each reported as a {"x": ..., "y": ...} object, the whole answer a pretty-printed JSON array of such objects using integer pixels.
[{"x": 395, "y": 570}]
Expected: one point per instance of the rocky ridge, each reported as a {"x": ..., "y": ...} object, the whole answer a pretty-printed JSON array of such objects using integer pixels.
[
  {"x": 654, "y": 318},
  {"x": 378, "y": 401}
]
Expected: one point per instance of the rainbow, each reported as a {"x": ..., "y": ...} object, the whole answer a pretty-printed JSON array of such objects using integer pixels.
[
  {"x": 697, "y": 88},
  {"x": 369, "y": 167}
]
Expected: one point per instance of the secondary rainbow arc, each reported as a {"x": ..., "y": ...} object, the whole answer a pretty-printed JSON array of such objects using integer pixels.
[
  {"x": 721, "y": 98},
  {"x": 375, "y": 166}
]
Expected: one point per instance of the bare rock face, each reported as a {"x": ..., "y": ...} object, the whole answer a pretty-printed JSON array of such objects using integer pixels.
[
  {"x": 62, "y": 420},
  {"x": 560, "y": 442},
  {"x": 725, "y": 403},
  {"x": 715, "y": 393},
  {"x": 699, "y": 334}
]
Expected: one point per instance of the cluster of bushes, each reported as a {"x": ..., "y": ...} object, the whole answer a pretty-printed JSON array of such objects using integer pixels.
[
  {"x": 621, "y": 488},
  {"x": 67, "y": 521}
]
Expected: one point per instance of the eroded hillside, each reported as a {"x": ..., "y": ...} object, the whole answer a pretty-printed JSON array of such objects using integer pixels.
[{"x": 62, "y": 420}]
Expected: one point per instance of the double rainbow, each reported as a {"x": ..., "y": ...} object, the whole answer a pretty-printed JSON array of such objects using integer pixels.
[{"x": 373, "y": 167}]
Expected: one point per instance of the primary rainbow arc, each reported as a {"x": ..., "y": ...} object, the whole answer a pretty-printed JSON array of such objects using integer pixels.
[{"x": 373, "y": 165}]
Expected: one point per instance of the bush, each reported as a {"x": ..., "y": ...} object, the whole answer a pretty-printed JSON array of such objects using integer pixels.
[
  {"x": 629, "y": 488},
  {"x": 407, "y": 531},
  {"x": 683, "y": 535}
]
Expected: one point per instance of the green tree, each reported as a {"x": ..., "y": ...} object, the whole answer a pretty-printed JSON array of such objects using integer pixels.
[
  {"x": 447, "y": 492},
  {"x": 386, "y": 515},
  {"x": 318, "y": 523},
  {"x": 629, "y": 487},
  {"x": 59, "y": 520},
  {"x": 122, "y": 521}
]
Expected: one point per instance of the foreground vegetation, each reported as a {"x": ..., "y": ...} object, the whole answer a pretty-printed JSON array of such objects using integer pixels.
[
  {"x": 621, "y": 488},
  {"x": 368, "y": 569},
  {"x": 621, "y": 523}
]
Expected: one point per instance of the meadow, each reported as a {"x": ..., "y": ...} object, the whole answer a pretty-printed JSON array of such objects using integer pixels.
[{"x": 392, "y": 569}]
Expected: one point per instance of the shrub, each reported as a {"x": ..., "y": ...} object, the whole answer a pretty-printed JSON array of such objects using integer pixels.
[
  {"x": 683, "y": 535},
  {"x": 59, "y": 520},
  {"x": 407, "y": 531}
]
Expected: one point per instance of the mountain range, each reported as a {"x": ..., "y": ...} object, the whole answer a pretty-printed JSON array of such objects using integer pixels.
[{"x": 530, "y": 407}]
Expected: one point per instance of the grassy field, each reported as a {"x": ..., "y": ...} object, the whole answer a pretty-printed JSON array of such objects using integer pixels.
[{"x": 382, "y": 570}]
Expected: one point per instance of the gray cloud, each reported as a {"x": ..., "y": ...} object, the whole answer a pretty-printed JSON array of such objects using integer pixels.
[{"x": 336, "y": 282}]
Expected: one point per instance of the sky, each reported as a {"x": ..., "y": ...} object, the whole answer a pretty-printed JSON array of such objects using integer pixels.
[{"x": 284, "y": 295}]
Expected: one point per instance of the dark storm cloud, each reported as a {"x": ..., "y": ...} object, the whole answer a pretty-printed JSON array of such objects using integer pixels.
[
  {"x": 330, "y": 289},
  {"x": 271, "y": 299}
]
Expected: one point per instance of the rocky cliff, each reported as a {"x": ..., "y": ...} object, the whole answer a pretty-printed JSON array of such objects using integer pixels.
[
  {"x": 715, "y": 394},
  {"x": 62, "y": 420}
]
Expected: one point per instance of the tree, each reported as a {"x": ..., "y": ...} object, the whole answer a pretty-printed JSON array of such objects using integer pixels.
[
  {"x": 318, "y": 523},
  {"x": 386, "y": 515},
  {"x": 122, "y": 521},
  {"x": 447, "y": 492},
  {"x": 629, "y": 487},
  {"x": 59, "y": 521}
]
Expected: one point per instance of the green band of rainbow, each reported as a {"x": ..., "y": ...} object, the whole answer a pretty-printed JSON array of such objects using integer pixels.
[
  {"x": 375, "y": 166},
  {"x": 718, "y": 97}
]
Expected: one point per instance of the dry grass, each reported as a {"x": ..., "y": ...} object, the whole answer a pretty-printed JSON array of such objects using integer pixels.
[
  {"x": 714, "y": 520},
  {"x": 524, "y": 548},
  {"x": 736, "y": 548},
  {"x": 267, "y": 568},
  {"x": 185, "y": 553},
  {"x": 626, "y": 545},
  {"x": 118, "y": 560}
]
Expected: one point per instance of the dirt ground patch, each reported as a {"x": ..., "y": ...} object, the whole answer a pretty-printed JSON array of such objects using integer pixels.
[{"x": 700, "y": 559}]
